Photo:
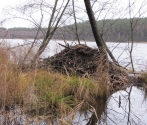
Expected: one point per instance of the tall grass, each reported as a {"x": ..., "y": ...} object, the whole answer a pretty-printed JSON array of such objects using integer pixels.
[
  {"x": 62, "y": 93},
  {"x": 12, "y": 83},
  {"x": 41, "y": 92},
  {"x": 144, "y": 77}
]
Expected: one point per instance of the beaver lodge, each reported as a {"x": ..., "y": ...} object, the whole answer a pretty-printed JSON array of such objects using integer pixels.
[
  {"x": 81, "y": 60},
  {"x": 69, "y": 83}
]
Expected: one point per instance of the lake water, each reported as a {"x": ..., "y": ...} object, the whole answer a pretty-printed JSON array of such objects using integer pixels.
[
  {"x": 119, "y": 50},
  {"x": 125, "y": 107}
]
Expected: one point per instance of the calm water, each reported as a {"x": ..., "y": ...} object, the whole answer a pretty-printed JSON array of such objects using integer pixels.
[
  {"x": 125, "y": 107},
  {"x": 120, "y": 51},
  {"x": 121, "y": 108}
]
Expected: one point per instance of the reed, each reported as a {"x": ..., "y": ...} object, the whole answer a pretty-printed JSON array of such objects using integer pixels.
[
  {"x": 144, "y": 77},
  {"x": 45, "y": 93},
  {"x": 45, "y": 89}
]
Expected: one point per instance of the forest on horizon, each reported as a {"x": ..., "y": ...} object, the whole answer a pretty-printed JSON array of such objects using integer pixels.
[{"x": 111, "y": 29}]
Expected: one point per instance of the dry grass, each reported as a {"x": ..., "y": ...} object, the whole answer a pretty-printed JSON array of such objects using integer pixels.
[
  {"x": 62, "y": 92},
  {"x": 144, "y": 77},
  {"x": 12, "y": 84},
  {"x": 45, "y": 93}
]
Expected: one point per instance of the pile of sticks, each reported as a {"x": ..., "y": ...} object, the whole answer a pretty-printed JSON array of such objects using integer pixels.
[
  {"x": 79, "y": 60},
  {"x": 82, "y": 60}
]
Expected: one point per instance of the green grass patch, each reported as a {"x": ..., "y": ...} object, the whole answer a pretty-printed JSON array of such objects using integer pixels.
[{"x": 38, "y": 89}]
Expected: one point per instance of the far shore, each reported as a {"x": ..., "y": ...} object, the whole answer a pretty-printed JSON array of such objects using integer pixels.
[{"x": 142, "y": 42}]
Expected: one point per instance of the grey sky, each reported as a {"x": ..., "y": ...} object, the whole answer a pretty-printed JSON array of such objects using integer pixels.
[{"x": 119, "y": 9}]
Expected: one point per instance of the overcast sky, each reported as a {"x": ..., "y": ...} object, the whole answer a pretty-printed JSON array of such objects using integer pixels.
[
  {"x": 8, "y": 3},
  {"x": 121, "y": 4}
]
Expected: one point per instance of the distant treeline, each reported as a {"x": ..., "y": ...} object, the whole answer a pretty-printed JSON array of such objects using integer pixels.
[{"x": 111, "y": 30}]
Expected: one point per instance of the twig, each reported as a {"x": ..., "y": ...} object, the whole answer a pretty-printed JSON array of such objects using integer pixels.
[
  {"x": 64, "y": 46},
  {"x": 66, "y": 71}
]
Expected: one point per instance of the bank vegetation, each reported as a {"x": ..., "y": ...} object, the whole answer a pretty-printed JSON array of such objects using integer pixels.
[{"x": 113, "y": 30}]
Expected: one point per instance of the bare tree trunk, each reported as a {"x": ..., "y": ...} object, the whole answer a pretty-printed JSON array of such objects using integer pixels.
[
  {"x": 77, "y": 35},
  {"x": 103, "y": 64},
  {"x": 109, "y": 52},
  {"x": 50, "y": 31},
  {"x": 132, "y": 37},
  {"x": 93, "y": 23}
]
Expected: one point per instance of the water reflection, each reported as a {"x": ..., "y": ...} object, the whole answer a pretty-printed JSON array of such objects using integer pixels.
[
  {"x": 125, "y": 107},
  {"x": 145, "y": 94},
  {"x": 93, "y": 115}
]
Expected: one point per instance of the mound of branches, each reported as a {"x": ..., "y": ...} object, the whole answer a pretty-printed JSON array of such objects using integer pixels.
[{"x": 82, "y": 60}]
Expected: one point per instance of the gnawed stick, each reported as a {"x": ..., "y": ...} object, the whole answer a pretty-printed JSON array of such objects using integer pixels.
[
  {"x": 64, "y": 46},
  {"x": 66, "y": 71}
]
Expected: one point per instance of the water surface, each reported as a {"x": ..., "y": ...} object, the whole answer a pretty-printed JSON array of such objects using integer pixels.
[
  {"x": 125, "y": 107},
  {"x": 121, "y": 51}
]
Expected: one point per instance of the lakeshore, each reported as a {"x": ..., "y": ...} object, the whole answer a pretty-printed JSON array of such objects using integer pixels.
[{"x": 54, "y": 95}]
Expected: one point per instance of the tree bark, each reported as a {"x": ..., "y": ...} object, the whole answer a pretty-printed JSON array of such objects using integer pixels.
[
  {"x": 50, "y": 32},
  {"x": 97, "y": 35},
  {"x": 93, "y": 23},
  {"x": 110, "y": 53},
  {"x": 103, "y": 63}
]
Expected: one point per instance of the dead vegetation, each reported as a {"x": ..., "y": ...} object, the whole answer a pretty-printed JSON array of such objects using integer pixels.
[
  {"x": 40, "y": 92},
  {"x": 72, "y": 78},
  {"x": 84, "y": 61}
]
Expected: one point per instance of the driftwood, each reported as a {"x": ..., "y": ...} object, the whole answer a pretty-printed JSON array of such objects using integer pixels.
[{"x": 82, "y": 60}]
